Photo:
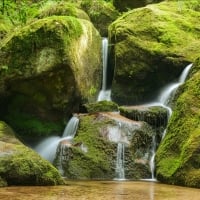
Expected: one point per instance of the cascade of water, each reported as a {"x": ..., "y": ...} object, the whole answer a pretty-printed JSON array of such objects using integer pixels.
[
  {"x": 47, "y": 148},
  {"x": 71, "y": 128},
  {"x": 119, "y": 170},
  {"x": 163, "y": 100},
  {"x": 105, "y": 93}
]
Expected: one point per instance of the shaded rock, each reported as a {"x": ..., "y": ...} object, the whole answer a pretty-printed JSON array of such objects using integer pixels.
[
  {"x": 98, "y": 137},
  {"x": 150, "y": 47},
  {"x": 42, "y": 70},
  {"x": 178, "y": 156},
  {"x": 153, "y": 115},
  {"x": 21, "y": 166},
  {"x": 101, "y": 106},
  {"x": 101, "y": 13},
  {"x": 124, "y": 5}
]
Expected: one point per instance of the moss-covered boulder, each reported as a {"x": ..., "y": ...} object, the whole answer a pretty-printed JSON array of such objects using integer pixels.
[
  {"x": 93, "y": 152},
  {"x": 153, "y": 115},
  {"x": 20, "y": 165},
  {"x": 61, "y": 8},
  {"x": 102, "y": 14},
  {"x": 150, "y": 47},
  {"x": 42, "y": 71},
  {"x": 101, "y": 106},
  {"x": 124, "y": 5},
  {"x": 178, "y": 156}
]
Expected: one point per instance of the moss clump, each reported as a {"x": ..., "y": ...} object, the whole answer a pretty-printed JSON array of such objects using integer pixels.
[
  {"x": 101, "y": 106},
  {"x": 148, "y": 56},
  {"x": 177, "y": 158}
]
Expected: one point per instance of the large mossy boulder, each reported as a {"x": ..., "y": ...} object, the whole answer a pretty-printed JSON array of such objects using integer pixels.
[
  {"x": 19, "y": 165},
  {"x": 178, "y": 156},
  {"x": 150, "y": 46},
  {"x": 47, "y": 69},
  {"x": 93, "y": 152}
]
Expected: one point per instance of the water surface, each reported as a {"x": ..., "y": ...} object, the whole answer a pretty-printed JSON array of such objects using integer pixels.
[{"x": 102, "y": 190}]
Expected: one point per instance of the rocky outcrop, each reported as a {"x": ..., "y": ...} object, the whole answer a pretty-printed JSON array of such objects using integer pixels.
[
  {"x": 93, "y": 152},
  {"x": 153, "y": 115},
  {"x": 42, "y": 71},
  {"x": 178, "y": 156},
  {"x": 20, "y": 165},
  {"x": 149, "y": 48}
]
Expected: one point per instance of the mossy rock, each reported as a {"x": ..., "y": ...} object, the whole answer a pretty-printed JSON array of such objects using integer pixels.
[
  {"x": 178, "y": 156},
  {"x": 20, "y": 165},
  {"x": 101, "y": 106},
  {"x": 124, "y": 5},
  {"x": 102, "y": 14},
  {"x": 61, "y": 9},
  {"x": 150, "y": 46},
  {"x": 153, "y": 115},
  {"x": 93, "y": 152},
  {"x": 42, "y": 70}
]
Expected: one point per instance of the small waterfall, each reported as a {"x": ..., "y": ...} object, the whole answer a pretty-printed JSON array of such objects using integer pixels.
[
  {"x": 164, "y": 100},
  {"x": 71, "y": 128},
  {"x": 47, "y": 148},
  {"x": 119, "y": 170},
  {"x": 104, "y": 94},
  {"x": 153, "y": 152}
]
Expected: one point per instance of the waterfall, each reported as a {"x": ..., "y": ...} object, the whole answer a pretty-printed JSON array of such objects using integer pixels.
[
  {"x": 104, "y": 94},
  {"x": 164, "y": 100},
  {"x": 119, "y": 170},
  {"x": 153, "y": 152},
  {"x": 47, "y": 148},
  {"x": 71, "y": 128}
]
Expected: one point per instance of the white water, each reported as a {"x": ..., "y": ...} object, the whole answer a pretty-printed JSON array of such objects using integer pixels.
[
  {"x": 71, "y": 128},
  {"x": 47, "y": 148},
  {"x": 104, "y": 94},
  {"x": 163, "y": 100},
  {"x": 119, "y": 170}
]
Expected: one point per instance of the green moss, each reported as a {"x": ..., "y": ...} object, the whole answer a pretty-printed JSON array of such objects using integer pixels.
[
  {"x": 101, "y": 106},
  {"x": 97, "y": 162}
]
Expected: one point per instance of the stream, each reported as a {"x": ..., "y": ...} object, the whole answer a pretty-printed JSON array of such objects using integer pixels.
[{"x": 101, "y": 190}]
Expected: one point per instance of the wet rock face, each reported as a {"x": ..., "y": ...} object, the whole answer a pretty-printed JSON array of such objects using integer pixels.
[
  {"x": 20, "y": 165},
  {"x": 93, "y": 152},
  {"x": 42, "y": 70},
  {"x": 149, "y": 50}
]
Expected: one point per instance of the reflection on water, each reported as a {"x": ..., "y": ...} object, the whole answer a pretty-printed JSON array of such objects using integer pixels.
[{"x": 101, "y": 190}]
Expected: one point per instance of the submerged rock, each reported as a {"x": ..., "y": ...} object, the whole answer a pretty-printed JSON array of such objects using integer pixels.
[
  {"x": 20, "y": 165},
  {"x": 178, "y": 156},
  {"x": 150, "y": 47},
  {"x": 42, "y": 71},
  {"x": 93, "y": 153}
]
